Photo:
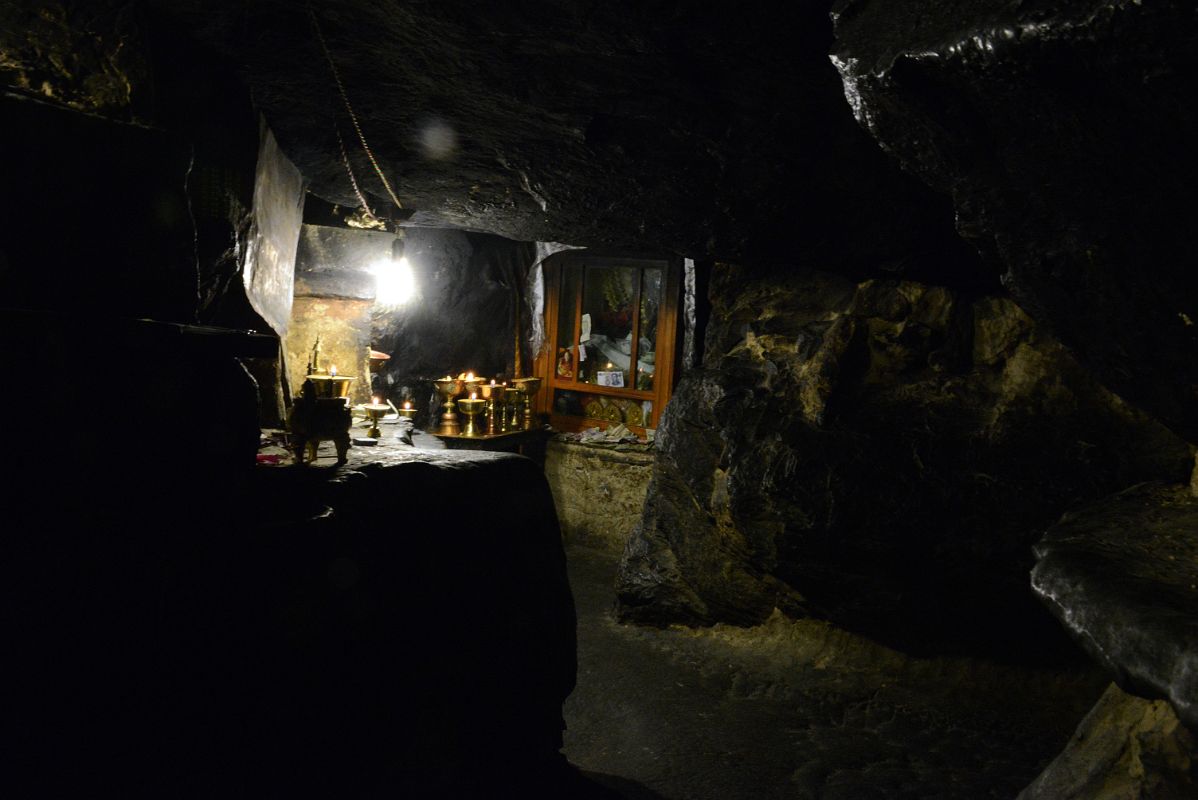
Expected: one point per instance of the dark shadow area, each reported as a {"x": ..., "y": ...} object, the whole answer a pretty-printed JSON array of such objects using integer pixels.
[{"x": 184, "y": 624}]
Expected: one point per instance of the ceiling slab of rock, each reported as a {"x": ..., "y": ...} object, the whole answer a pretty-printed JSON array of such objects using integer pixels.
[{"x": 632, "y": 125}]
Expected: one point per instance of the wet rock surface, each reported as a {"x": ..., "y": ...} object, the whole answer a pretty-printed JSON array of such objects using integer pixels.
[
  {"x": 1122, "y": 576},
  {"x": 860, "y": 453},
  {"x": 1063, "y": 133},
  {"x": 800, "y": 710},
  {"x": 1126, "y": 747}
]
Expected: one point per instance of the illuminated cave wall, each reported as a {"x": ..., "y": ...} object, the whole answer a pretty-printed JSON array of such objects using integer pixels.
[
  {"x": 464, "y": 315},
  {"x": 334, "y": 295},
  {"x": 461, "y": 318}
]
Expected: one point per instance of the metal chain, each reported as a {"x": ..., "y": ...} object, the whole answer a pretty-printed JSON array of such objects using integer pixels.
[
  {"x": 350, "y": 170},
  {"x": 350, "y": 109}
]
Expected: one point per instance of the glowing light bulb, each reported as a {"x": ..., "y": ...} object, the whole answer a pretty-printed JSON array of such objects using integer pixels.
[{"x": 394, "y": 282}]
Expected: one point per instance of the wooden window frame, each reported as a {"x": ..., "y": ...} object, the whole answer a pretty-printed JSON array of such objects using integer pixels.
[{"x": 667, "y": 345}]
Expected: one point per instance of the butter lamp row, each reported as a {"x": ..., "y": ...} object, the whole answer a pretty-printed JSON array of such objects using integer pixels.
[{"x": 507, "y": 408}]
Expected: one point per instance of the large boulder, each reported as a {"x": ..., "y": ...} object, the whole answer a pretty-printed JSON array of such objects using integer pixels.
[
  {"x": 1122, "y": 576},
  {"x": 880, "y": 454}
]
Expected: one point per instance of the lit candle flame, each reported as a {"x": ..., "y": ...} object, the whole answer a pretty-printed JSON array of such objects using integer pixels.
[
  {"x": 407, "y": 404},
  {"x": 378, "y": 401},
  {"x": 469, "y": 376},
  {"x": 474, "y": 395},
  {"x": 492, "y": 381},
  {"x": 333, "y": 370}
]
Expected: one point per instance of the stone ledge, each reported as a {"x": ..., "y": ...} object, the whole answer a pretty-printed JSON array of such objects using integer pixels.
[
  {"x": 1122, "y": 577},
  {"x": 599, "y": 490}
]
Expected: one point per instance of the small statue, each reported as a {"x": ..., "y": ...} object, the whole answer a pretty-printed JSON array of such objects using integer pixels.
[{"x": 314, "y": 357}]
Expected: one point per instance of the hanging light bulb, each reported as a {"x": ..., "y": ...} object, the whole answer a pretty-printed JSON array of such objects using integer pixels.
[{"x": 394, "y": 282}]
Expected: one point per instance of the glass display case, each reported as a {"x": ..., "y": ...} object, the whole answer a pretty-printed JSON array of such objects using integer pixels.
[{"x": 613, "y": 322}]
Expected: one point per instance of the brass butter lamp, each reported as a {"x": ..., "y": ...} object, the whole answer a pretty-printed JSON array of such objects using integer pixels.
[
  {"x": 528, "y": 388},
  {"x": 448, "y": 388},
  {"x": 493, "y": 394},
  {"x": 375, "y": 410},
  {"x": 470, "y": 383},
  {"x": 471, "y": 406},
  {"x": 333, "y": 385}
]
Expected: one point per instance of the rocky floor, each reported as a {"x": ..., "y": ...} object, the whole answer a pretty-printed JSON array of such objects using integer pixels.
[{"x": 800, "y": 710}]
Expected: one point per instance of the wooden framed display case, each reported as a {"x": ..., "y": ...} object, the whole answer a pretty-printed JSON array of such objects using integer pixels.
[{"x": 611, "y": 328}]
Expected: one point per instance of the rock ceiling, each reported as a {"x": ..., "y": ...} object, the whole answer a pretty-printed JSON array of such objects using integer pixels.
[{"x": 646, "y": 126}]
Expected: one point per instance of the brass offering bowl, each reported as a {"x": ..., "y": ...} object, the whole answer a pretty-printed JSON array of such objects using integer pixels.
[
  {"x": 471, "y": 407},
  {"x": 491, "y": 391},
  {"x": 375, "y": 411},
  {"x": 530, "y": 385},
  {"x": 494, "y": 393},
  {"x": 514, "y": 408},
  {"x": 470, "y": 385},
  {"x": 528, "y": 388},
  {"x": 448, "y": 388},
  {"x": 331, "y": 385}
]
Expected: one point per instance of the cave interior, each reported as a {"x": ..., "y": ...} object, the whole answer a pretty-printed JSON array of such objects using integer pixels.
[{"x": 912, "y": 370}]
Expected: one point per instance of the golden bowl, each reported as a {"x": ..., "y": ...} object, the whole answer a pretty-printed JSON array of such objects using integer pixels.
[
  {"x": 529, "y": 386},
  {"x": 470, "y": 405},
  {"x": 492, "y": 391},
  {"x": 331, "y": 385},
  {"x": 448, "y": 387}
]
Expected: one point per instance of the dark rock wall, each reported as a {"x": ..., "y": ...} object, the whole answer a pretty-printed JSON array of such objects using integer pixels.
[
  {"x": 89, "y": 56},
  {"x": 128, "y": 166},
  {"x": 880, "y": 454},
  {"x": 1064, "y": 133},
  {"x": 95, "y": 216}
]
